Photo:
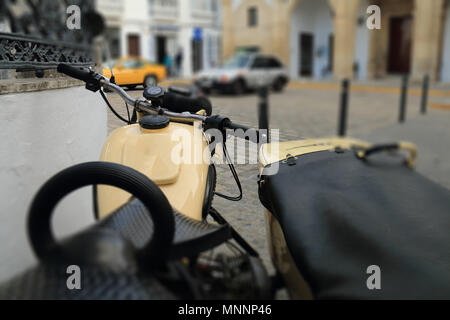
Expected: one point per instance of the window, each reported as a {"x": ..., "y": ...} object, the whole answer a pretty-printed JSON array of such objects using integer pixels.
[
  {"x": 205, "y": 5},
  {"x": 214, "y": 6},
  {"x": 237, "y": 62},
  {"x": 274, "y": 63},
  {"x": 248, "y": 49},
  {"x": 133, "y": 64},
  {"x": 252, "y": 17},
  {"x": 163, "y": 3},
  {"x": 261, "y": 63}
]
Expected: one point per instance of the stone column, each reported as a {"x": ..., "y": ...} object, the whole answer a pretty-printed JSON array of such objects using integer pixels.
[
  {"x": 282, "y": 15},
  {"x": 345, "y": 16},
  {"x": 227, "y": 30},
  {"x": 428, "y": 19}
]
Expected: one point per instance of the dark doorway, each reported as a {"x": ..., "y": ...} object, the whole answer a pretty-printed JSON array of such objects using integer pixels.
[
  {"x": 161, "y": 49},
  {"x": 197, "y": 55},
  {"x": 133, "y": 45},
  {"x": 306, "y": 49},
  {"x": 400, "y": 44},
  {"x": 330, "y": 53}
]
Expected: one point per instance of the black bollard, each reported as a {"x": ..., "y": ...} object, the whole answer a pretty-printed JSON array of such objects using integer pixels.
[
  {"x": 403, "y": 99},
  {"x": 343, "y": 114},
  {"x": 263, "y": 109},
  {"x": 425, "y": 88}
]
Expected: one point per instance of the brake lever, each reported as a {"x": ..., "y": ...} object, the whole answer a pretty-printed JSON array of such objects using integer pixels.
[
  {"x": 94, "y": 85},
  {"x": 113, "y": 78}
]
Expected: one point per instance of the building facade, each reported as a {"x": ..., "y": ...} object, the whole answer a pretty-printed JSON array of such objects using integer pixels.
[
  {"x": 161, "y": 30},
  {"x": 330, "y": 38}
]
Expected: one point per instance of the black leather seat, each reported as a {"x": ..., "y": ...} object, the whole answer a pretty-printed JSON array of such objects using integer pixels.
[{"x": 341, "y": 215}]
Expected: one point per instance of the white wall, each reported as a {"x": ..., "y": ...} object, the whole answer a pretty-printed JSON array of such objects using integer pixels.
[
  {"x": 311, "y": 16},
  {"x": 445, "y": 69},
  {"x": 185, "y": 37},
  {"x": 135, "y": 20},
  {"x": 42, "y": 133},
  {"x": 362, "y": 42}
]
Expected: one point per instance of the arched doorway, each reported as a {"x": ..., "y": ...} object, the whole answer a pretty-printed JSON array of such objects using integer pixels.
[
  {"x": 311, "y": 39},
  {"x": 391, "y": 47}
]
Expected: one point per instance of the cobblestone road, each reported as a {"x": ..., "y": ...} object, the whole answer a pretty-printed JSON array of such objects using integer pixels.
[{"x": 304, "y": 113}]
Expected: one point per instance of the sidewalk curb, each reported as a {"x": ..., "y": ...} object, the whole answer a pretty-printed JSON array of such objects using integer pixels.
[{"x": 365, "y": 88}]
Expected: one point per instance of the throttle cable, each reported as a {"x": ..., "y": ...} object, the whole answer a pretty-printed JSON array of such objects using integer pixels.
[
  {"x": 235, "y": 176},
  {"x": 112, "y": 109}
]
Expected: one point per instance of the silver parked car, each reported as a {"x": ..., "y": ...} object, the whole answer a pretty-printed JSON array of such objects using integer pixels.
[{"x": 244, "y": 72}]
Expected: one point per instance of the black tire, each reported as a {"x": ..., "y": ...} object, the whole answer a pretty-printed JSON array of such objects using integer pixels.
[
  {"x": 238, "y": 87},
  {"x": 150, "y": 81},
  {"x": 279, "y": 84}
]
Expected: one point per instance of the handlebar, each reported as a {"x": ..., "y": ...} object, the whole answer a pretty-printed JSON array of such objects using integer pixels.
[
  {"x": 79, "y": 73},
  {"x": 179, "y": 103},
  {"x": 175, "y": 104}
]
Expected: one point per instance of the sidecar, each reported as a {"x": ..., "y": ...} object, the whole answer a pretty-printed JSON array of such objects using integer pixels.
[{"x": 350, "y": 220}]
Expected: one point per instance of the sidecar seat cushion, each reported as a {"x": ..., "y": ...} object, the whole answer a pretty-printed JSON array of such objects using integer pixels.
[
  {"x": 340, "y": 215},
  {"x": 192, "y": 237}
]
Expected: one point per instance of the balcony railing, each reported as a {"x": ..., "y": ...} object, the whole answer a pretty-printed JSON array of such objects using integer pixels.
[
  {"x": 110, "y": 8},
  {"x": 164, "y": 12}
]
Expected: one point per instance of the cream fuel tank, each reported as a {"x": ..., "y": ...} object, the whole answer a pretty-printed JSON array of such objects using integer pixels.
[{"x": 166, "y": 153}]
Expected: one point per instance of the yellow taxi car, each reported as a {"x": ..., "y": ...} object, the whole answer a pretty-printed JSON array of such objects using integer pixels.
[{"x": 133, "y": 71}]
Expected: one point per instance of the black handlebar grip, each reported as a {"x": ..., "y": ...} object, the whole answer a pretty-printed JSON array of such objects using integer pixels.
[
  {"x": 235, "y": 126},
  {"x": 250, "y": 134},
  {"x": 79, "y": 73},
  {"x": 179, "y": 103}
]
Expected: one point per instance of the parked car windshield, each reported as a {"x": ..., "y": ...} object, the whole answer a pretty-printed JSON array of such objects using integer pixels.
[
  {"x": 109, "y": 64},
  {"x": 237, "y": 62},
  {"x": 133, "y": 64}
]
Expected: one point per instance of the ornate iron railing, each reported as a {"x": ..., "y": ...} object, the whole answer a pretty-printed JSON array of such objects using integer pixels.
[
  {"x": 39, "y": 37},
  {"x": 30, "y": 53}
]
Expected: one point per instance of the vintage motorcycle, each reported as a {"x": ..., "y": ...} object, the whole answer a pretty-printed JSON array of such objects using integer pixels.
[{"x": 345, "y": 219}]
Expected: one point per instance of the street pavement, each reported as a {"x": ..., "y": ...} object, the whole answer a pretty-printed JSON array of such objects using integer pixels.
[{"x": 307, "y": 112}]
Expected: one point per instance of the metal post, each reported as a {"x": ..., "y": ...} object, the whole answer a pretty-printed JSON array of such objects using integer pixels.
[
  {"x": 425, "y": 87},
  {"x": 263, "y": 109},
  {"x": 343, "y": 114},
  {"x": 403, "y": 99}
]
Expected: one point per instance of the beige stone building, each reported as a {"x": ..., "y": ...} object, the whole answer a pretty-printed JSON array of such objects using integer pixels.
[{"x": 330, "y": 38}]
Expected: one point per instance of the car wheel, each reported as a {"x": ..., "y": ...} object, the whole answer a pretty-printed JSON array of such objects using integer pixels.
[
  {"x": 150, "y": 81},
  {"x": 238, "y": 87},
  {"x": 278, "y": 86}
]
